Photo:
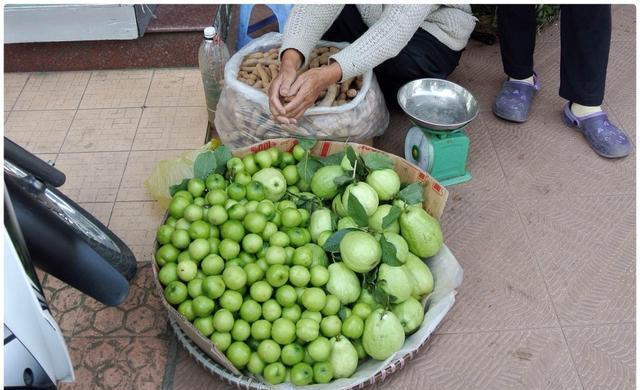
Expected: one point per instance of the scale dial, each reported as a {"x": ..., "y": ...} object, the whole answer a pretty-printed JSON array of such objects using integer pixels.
[{"x": 418, "y": 149}]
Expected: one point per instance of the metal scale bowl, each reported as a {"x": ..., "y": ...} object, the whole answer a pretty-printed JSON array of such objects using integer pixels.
[{"x": 437, "y": 143}]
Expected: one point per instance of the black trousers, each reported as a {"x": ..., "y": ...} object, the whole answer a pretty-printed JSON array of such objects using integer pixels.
[
  {"x": 585, "y": 37},
  {"x": 424, "y": 56}
]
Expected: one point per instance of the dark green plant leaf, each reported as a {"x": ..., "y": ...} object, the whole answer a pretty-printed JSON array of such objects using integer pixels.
[
  {"x": 375, "y": 161},
  {"x": 389, "y": 253},
  {"x": 306, "y": 143},
  {"x": 332, "y": 159},
  {"x": 391, "y": 217},
  {"x": 412, "y": 194},
  {"x": 356, "y": 211},
  {"x": 205, "y": 164},
  {"x": 351, "y": 155},
  {"x": 307, "y": 167},
  {"x": 211, "y": 161},
  {"x": 342, "y": 180},
  {"x": 222, "y": 154},
  {"x": 380, "y": 296},
  {"x": 333, "y": 242},
  {"x": 342, "y": 313},
  {"x": 178, "y": 187}
]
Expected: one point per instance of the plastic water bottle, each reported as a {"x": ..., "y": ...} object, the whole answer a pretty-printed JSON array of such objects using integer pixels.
[{"x": 212, "y": 57}]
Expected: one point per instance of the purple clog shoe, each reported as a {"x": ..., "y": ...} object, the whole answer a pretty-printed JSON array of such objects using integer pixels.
[
  {"x": 514, "y": 99},
  {"x": 603, "y": 136}
]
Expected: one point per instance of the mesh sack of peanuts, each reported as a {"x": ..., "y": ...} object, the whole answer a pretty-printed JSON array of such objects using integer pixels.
[{"x": 353, "y": 110}]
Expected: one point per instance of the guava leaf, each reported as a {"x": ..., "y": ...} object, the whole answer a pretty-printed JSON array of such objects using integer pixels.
[
  {"x": 391, "y": 217},
  {"x": 333, "y": 242},
  {"x": 412, "y": 194},
  {"x": 223, "y": 154},
  {"x": 342, "y": 313},
  {"x": 389, "y": 253},
  {"x": 356, "y": 211},
  {"x": 205, "y": 164},
  {"x": 211, "y": 161},
  {"x": 342, "y": 180},
  {"x": 375, "y": 161},
  {"x": 332, "y": 159},
  {"x": 380, "y": 296},
  {"x": 351, "y": 155},
  {"x": 178, "y": 187},
  {"x": 308, "y": 167},
  {"x": 306, "y": 143}
]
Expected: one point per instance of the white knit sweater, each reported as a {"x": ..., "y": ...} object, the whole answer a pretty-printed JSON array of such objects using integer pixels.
[{"x": 391, "y": 27}]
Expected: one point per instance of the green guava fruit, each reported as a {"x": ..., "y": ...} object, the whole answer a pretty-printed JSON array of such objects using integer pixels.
[
  {"x": 322, "y": 183},
  {"x": 360, "y": 251},
  {"x": 383, "y": 334},
  {"x": 410, "y": 313},
  {"x": 421, "y": 231},
  {"x": 395, "y": 281},
  {"x": 343, "y": 283},
  {"x": 420, "y": 275},
  {"x": 343, "y": 358},
  {"x": 375, "y": 220},
  {"x": 366, "y": 195},
  {"x": 385, "y": 182}
]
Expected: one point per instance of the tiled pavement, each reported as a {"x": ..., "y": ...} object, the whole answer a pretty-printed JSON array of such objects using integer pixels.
[{"x": 545, "y": 230}]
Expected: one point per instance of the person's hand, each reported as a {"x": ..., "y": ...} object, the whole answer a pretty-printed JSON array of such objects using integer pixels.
[
  {"x": 280, "y": 86},
  {"x": 308, "y": 87}
]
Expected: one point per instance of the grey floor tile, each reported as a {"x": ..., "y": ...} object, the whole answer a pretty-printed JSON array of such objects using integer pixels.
[
  {"x": 604, "y": 355},
  {"x": 586, "y": 248}
]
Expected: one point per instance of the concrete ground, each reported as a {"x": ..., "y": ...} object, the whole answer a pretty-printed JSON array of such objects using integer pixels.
[{"x": 545, "y": 231}]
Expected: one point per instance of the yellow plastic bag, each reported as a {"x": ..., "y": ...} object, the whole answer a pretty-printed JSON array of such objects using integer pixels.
[{"x": 172, "y": 171}]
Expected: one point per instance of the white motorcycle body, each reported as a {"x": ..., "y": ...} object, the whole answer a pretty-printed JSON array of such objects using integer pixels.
[{"x": 35, "y": 353}]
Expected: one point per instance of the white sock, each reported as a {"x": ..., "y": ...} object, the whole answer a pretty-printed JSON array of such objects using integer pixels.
[
  {"x": 527, "y": 80},
  {"x": 580, "y": 110}
]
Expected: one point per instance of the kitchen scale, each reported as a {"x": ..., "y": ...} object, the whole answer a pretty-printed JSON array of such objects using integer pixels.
[{"x": 437, "y": 143}]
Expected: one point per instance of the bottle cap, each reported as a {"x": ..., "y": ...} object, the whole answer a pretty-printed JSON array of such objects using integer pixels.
[{"x": 209, "y": 32}]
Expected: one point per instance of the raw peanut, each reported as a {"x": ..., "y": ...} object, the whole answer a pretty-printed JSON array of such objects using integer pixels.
[
  {"x": 340, "y": 102},
  {"x": 258, "y": 84},
  {"x": 263, "y": 75},
  {"x": 248, "y": 69},
  {"x": 249, "y": 81},
  {"x": 257, "y": 54},
  {"x": 352, "y": 93},
  {"x": 333, "y": 50},
  {"x": 267, "y": 61},
  {"x": 330, "y": 96},
  {"x": 323, "y": 93},
  {"x": 344, "y": 86},
  {"x": 273, "y": 50},
  {"x": 274, "y": 71},
  {"x": 314, "y": 63},
  {"x": 342, "y": 96},
  {"x": 251, "y": 76},
  {"x": 323, "y": 49},
  {"x": 359, "y": 82},
  {"x": 250, "y": 61},
  {"x": 324, "y": 58},
  {"x": 273, "y": 56}
]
